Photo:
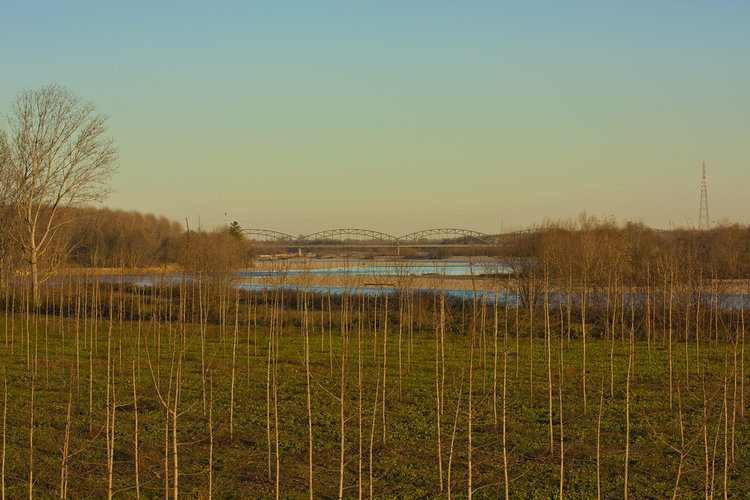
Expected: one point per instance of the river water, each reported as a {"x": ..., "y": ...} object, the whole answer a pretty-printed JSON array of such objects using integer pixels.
[
  {"x": 270, "y": 275},
  {"x": 379, "y": 268}
]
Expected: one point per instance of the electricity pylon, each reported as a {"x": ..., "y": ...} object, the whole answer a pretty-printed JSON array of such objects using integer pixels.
[{"x": 703, "y": 221}]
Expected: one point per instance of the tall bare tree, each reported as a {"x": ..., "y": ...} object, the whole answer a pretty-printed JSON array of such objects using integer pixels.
[{"x": 57, "y": 156}]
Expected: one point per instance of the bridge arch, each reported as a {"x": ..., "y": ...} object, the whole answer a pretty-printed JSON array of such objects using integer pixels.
[
  {"x": 445, "y": 232},
  {"x": 361, "y": 233},
  {"x": 269, "y": 235}
]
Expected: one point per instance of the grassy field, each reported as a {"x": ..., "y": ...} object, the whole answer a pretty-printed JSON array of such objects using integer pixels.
[{"x": 705, "y": 427}]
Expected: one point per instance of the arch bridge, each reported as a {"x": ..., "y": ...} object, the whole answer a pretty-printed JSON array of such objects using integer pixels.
[{"x": 367, "y": 238}]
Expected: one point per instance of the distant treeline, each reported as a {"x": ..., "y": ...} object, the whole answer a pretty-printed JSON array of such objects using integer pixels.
[
  {"x": 584, "y": 249},
  {"x": 103, "y": 237},
  {"x": 590, "y": 250},
  {"x": 110, "y": 238}
]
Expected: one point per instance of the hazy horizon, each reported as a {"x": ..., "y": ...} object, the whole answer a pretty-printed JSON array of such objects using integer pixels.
[{"x": 398, "y": 117}]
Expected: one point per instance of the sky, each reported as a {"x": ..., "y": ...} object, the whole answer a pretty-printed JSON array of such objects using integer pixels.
[{"x": 399, "y": 116}]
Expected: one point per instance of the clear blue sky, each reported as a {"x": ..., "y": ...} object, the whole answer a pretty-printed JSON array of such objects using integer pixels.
[{"x": 399, "y": 116}]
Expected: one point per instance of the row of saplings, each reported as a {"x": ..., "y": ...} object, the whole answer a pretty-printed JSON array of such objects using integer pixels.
[{"x": 197, "y": 389}]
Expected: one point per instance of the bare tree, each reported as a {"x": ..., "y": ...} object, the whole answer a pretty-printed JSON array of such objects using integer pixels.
[
  {"x": 9, "y": 255},
  {"x": 57, "y": 156}
]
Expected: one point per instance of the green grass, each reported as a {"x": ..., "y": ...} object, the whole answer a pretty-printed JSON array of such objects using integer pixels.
[{"x": 405, "y": 463}]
